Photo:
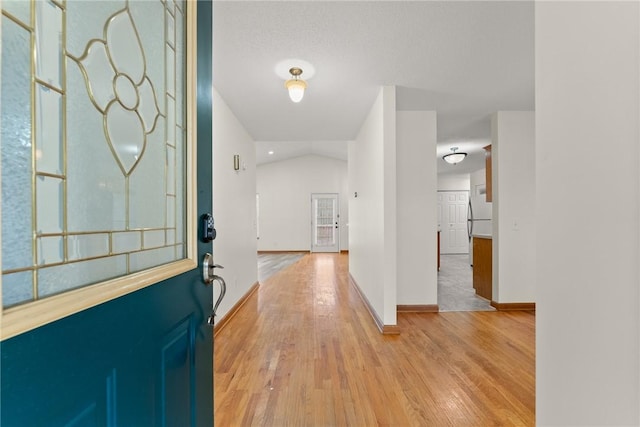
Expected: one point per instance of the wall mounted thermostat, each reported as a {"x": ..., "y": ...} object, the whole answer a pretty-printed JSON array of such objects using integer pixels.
[{"x": 207, "y": 230}]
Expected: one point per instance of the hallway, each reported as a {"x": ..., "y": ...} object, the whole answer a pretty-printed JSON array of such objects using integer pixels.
[{"x": 303, "y": 350}]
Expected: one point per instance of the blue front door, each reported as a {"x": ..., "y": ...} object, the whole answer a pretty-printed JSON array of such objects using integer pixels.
[{"x": 143, "y": 359}]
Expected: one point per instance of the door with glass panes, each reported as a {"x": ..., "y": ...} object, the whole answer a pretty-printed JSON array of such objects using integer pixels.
[
  {"x": 105, "y": 105},
  {"x": 325, "y": 236}
]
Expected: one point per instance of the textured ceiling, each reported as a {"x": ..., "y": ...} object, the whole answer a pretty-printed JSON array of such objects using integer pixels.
[{"x": 464, "y": 59}]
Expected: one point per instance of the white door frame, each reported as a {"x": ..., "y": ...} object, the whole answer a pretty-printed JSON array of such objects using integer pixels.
[{"x": 331, "y": 226}]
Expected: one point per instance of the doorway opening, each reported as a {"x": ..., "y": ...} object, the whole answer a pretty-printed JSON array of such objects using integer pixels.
[{"x": 455, "y": 276}]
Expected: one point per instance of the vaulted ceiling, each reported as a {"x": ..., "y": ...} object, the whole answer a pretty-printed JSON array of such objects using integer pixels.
[{"x": 463, "y": 59}]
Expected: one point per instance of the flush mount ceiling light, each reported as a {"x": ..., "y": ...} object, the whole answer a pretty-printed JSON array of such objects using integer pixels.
[
  {"x": 295, "y": 85},
  {"x": 453, "y": 157}
]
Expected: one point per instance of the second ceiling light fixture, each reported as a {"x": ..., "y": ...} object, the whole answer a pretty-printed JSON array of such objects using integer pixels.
[{"x": 454, "y": 157}]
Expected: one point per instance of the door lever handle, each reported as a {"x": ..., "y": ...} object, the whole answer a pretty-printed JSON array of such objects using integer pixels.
[
  {"x": 209, "y": 277},
  {"x": 223, "y": 290},
  {"x": 207, "y": 268}
]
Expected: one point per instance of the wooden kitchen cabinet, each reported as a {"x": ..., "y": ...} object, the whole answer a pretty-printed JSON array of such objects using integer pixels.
[
  {"x": 487, "y": 161},
  {"x": 482, "y": 266}
]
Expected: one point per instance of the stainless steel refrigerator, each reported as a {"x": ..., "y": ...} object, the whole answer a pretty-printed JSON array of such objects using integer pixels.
[{"x": 479, "y": 221}]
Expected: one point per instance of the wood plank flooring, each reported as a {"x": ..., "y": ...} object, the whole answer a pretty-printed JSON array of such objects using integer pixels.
[{"x": 303, "y": 351}]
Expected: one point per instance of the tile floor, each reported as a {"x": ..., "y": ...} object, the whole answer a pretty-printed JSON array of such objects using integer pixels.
[
  {"x": 455, "y": 288},
  {"x": 271, "y": 263}
]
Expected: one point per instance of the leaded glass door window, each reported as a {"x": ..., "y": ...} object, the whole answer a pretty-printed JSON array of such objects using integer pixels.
[{"x": 95, "y": 147}]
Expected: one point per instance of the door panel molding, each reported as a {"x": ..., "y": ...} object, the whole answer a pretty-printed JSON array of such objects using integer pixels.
[
  {"x": 177, "y": 357},
  {"x": 452, "y": 219}
]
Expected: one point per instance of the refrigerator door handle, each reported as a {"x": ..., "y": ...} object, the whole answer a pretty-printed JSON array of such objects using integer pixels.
[{"x": 469, "y": 221}]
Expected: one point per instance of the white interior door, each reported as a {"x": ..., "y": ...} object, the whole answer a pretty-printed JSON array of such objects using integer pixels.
[
  {"x": 452, "y": 220},
  {"x": 324, "y": 223}
]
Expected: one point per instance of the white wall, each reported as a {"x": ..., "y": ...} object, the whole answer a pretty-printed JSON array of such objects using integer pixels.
[
  {"x": 477, "y": 178},
  {"x": 514, "y": 195},
  {"x": 372, "y": 226},
  {"x": 417, "y": 179},
  {"x": 390, "y": 270},
  {"x": 234, "y": 205},
  {"x": 588, "y": 302},
  {"x": 285, "y": 189},
  {"x": 453, "y": 182}
]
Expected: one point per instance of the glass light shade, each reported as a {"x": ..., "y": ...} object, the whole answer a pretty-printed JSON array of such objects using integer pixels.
[
  {"x": 454, "y": 158},
  {"x": 296, "y": 89}
]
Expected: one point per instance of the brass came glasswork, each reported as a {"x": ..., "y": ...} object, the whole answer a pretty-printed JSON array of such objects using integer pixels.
[{"x": 131, "y": 93}]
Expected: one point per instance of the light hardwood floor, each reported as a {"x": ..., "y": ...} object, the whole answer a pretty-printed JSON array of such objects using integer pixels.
[{"x": 303, "y": 351}]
